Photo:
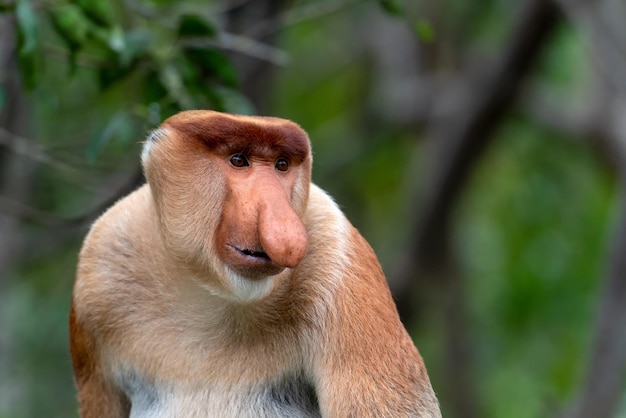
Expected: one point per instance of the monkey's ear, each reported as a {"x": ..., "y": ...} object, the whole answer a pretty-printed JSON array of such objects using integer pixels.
[{"x": 153, "y": 137}]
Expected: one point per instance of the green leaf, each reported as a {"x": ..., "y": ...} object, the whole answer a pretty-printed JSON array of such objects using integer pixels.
[
  {"x": 117, "y": 40},
  {"x": 193, "y": 25},
  {"x": 27, "y": 26},
  {"x": 153, "y": 89},
  {"x": 214, "y": 64},
  {"x": 424, "y": 31},
  {"x": 70, "y": 22},
  {"x": 29, "y": 69},
  {"x": 392, "y": 7},
  {"x": 111, "y": 74},
  {"x": 99, "y": 12},
  {"x": 3, "y": 98},
  {"x": 136, "y": 44},
  {"x": 121, "y": 48},
  {"x": 27, "y": 42},
  {"x": 6, "y": 7},
  {"x": 173, "y": 82}
]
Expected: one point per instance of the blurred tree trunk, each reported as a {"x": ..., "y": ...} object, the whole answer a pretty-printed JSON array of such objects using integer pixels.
[
  {"x": 601, "y": 391},
  {"x": 15, "y": 180},
  {"x": 15, "y": 171},
  {"x": 461, "y": 139},
  {"x": 251, "y": 19},
  {"x": 603, "y": 22}
]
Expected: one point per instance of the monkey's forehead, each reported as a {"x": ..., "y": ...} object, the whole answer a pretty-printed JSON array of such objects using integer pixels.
[{"x": 226, "y": 133}]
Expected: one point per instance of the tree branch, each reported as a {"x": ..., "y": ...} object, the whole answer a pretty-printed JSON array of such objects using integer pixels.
[
  {"x": 463, "y": 136},
  {"x": 24, "y": 212},
  {"x": 243, "y": 45},
  {"x": 30, "y": 149}
]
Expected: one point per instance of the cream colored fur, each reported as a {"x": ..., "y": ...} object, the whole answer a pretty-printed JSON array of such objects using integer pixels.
[{"x": 161, "y": 332}]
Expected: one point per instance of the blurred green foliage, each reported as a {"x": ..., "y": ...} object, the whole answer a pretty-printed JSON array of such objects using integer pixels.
[
  {"x": 531, "y": 230},
  {"x": 534, "y": 248}
]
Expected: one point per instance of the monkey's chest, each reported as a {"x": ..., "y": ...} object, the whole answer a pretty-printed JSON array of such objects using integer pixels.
[{"x": 290, "y": 396}]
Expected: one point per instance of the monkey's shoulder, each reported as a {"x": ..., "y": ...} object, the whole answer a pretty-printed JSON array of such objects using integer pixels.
[
  {"x": 116, "y": 254},
  {"x": 118, "y": 225}
]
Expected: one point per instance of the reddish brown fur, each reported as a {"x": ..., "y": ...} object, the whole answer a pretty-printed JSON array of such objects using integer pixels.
[
  {"x": 394, "y": 368},
  {"x": 97, "y": 397},
  {"x": 169, "y": 320},
  {"x": 228, "y": 134}
]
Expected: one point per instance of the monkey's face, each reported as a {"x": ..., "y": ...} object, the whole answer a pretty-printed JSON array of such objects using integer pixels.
[
  {"x": 230, "y": 192},
  {"x": 260, "y": 233}
]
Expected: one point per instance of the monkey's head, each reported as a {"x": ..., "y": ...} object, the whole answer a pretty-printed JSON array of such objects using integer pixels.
[{"x": 230, "y": 193}]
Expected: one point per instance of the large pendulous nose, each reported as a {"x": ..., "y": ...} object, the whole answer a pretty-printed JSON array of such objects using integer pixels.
[{"x": 281, "y": 231}]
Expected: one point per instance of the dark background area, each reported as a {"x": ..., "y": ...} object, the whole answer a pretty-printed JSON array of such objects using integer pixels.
[{"x": 478, "y": 146}]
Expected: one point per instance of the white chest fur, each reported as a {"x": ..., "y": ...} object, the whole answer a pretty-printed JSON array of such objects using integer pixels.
[{"x": 291, "y": 396}]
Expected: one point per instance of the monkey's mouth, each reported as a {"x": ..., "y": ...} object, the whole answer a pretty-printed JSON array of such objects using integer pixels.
[
  {"x": 253, "y": 263},
  {"x": 252, "y": 254}
]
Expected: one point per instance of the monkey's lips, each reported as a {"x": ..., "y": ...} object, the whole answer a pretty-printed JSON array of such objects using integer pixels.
[
  {"x": 256, "y": 255},
  {"x": 252, "y": 263}
]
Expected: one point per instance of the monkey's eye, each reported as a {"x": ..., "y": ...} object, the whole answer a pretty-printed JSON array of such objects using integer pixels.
[
  {"x": 239, "y": 160},
  {"x": 282, "y": 164}
]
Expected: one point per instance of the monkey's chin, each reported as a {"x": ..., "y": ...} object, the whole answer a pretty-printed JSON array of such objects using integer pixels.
[
  {"x": 251, "y": 264},
  {"x": 244, "y": 290}
]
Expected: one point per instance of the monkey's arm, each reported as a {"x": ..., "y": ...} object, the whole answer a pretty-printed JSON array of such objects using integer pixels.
[
  {"x": 97, "y": 397},
  {"x": 369, "y": 366}
]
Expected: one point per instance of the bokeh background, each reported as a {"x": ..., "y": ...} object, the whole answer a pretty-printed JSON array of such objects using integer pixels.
[{"x": 478, "y": 146}]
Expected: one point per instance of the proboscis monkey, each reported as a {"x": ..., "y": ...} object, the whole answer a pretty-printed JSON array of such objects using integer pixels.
[{"x": 230, "y": 286}]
